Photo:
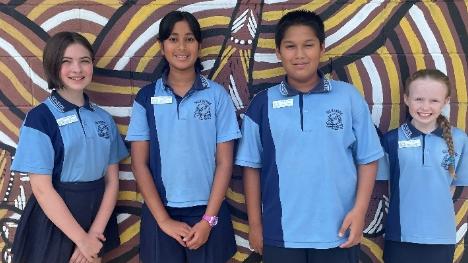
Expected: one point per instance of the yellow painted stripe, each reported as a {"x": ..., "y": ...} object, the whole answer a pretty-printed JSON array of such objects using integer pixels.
[
  {"x": 276, "y": 15},
  {"x": 394, "y": 82},
  {"x": 239, "y": 227},
  {"x": 461, "y": 120},
  {"x": 17, "y": 84},
  {"x": 89, "y": 36},
  {"x": 213, "y": 50},
  {"x": 374, "y": 248},
  {"x": 245, "y": 56},
  {"x": 104, "y": 88},
  {"x": 122, "y": 129},
  {"x": 26, "y": 41},
  {"x": 148, "y": 56},
  {"x": 414, "y": 44},
  {"x": 461, "y": 215},
  {"x": 47, "y": 4},
  {"x": 239, "y": 256},
  {"x": 441, "y": 24},
  {"x": 227, "y": 54},
  {"x": 460, "y": 248},
  {"x": 266, "y": 43},
  {"x": 2, "y": 181},
  {"x": 127, "y": 160},
  {"x": 268, "y": 73},
  {"x": 234, "y": 196},
  {"x": 9, "y": 125},
  {"x": 343, "y": 14},
  {"x": 138, "y": 18},
  {"x": 127, "y": 196},
  {"x": 214, "y": 21},
  {"x": 370, "y": 29},
  {"x": 130, "y": 232},
  {"x": 356, "y": 78}
]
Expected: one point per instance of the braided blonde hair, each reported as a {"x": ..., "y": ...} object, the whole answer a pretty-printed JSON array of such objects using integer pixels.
[{"x": 442, "y": 121}]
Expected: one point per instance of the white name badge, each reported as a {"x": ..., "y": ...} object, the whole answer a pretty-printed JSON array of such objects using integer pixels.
[
  {"x": 282, "y": 103},
  {"x": 409, "y": 143},
  {"x": 67, "y": 120},
  {"x": 161, "y": 100}
]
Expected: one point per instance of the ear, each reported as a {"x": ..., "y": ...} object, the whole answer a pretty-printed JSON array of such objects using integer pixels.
[
  {"x": 447, "y": 100},
  {"x": 405, "y": 99},
  {"x": 278, "y": 54}
]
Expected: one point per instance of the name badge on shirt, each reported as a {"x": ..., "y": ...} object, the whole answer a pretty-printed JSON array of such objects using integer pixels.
[
  {"x": 282, "y": 103},
  {"x": 161, "y": 100},
  {"x": 409, "y": 143},
  {"x": 67, "y": 120}
]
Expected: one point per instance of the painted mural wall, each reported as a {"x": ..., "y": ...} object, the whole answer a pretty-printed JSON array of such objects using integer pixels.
[{"x": 373, "y": 44}]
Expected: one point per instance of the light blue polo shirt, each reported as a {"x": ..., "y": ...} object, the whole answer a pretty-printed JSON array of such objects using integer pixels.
[
  {"x": 307, "y": 147},
  {"x": 71, "y": 143},
  {"x": 183, "y": 134},
  {"x": 421, "y": 207}
]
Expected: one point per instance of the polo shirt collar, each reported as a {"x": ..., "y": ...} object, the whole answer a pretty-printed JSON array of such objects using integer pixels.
[
  {"x": 200, "y": 82},
  {"x": 412, "y": 132},
  {"x": 63, "y": 105},
  {"x": 323, "y": 86}
]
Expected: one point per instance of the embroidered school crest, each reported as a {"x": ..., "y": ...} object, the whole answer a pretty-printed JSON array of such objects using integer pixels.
[
  {"x": 103, "y": 129},
  {"x": 447, "y": 160},
  {"x": 202, "y": 111},
  {"x": 335, "y": 120}
]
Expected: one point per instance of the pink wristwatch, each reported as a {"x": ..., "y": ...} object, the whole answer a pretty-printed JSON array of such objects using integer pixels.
[{"x": 212, "y": 220}]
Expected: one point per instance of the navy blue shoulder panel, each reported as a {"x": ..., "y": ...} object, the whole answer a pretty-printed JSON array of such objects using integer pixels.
[
  {"x": 256, "y": 107},
  {"x": 144, "y": 95},
  {"x": 43, "y": 120}
]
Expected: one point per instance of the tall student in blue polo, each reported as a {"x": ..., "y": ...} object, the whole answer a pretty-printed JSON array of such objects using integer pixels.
[
  {"x": 182, "y": 130},
  {"x": 70, "y": 149},
  {"x": 425, "y": 159},
  {"x": 309, "y": 149}
]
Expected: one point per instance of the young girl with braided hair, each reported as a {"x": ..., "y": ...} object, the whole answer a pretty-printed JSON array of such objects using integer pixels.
[{"x": 425, "y": 158}]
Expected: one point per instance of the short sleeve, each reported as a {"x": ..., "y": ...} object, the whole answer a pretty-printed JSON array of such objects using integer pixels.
[
  {"x": 227, "y": 127},
  {"x": 138, "y": 129},
  {"x": 250, "y": 147},
  {"x": 35, "y": 152}
]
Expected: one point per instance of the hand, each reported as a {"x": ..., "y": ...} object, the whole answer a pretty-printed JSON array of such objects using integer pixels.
[
  {"x": 354, "y": 221},
  {"x": 175, "y": 229},
  {"x": 90, "y": 245},
  {"x": 78, "y": 257},
  {"x": 256, "y": 239},
  {"x": 198, "y": 235}
]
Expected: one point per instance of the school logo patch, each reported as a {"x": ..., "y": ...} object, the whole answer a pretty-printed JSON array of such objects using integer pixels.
[
  {"x": 202, "y": 110},
  {"x": 335, "y": 120},
  {"x": 103, "y": 129},
  {"x": 447, "y": 160}
]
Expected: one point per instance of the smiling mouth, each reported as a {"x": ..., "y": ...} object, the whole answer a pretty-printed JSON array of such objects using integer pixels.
[
  {"x": 424, "y": 114},
  {"x": 181, "y": 57},
  {"x": 76, "y": 78}
]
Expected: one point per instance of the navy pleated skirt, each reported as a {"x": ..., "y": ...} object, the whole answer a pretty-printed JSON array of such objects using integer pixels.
[{"x": 37, "y": 239}]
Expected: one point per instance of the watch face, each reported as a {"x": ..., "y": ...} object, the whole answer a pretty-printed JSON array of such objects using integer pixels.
[{"x": 214, "y": 221}]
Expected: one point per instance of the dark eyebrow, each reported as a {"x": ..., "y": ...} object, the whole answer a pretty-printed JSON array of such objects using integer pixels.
[{"x": 80, "y": 58}]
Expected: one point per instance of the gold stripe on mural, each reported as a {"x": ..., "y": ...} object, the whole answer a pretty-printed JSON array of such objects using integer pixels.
[
  {"x": 236, "y": 197},
  {"x": 461, "y": 215},
  {"x": 3, "y": 178},
  {"x": 239, "y": 256},
  {"x": 45, "y": 5},
  {"x": 413, "y": 42},
  {"x": 130, "y": 232},
  {"x": 148, "y": 56},
  {"x": 245, "y": 56},
  {"x": 343, "y": 15},
  {"x": 355, "y": 78},
  {"x": 17, "y": 84},
  {"x": 214, "y": 21},
  {"x": 8, "y": 124},
  {"x": 268, "y": 73},
  {"x": 224, "y": 58},
  {"x": 89, "y": 36},
  {"x": 18, "y": 35},
  {"x": 374, "y": 248},
  {"x": 212, "y": 50},
  {"x": 369, "y": 29},
  {"x": 448, "y": 40},
  {"x": 105, "y": 88},
  {"x": 394, "y": 82},
  {"x": 138, "y": 18},
  {"x": 461, "y": 117},
  {"x": 266, "y": 43},
  {"x": 276, "y": 15},
  {"x": 244, "y": 228},
  {"x": 127, "y": 196},
  {"x": 460, "y": 248}
]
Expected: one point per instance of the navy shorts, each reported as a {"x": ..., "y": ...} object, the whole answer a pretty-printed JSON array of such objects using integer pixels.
[
  {"x": 157, "y": 247},
  {"x": 37, "y": 239},
  {"x": 273, "y": 254},
  {"x": 404, "y": 252}
]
